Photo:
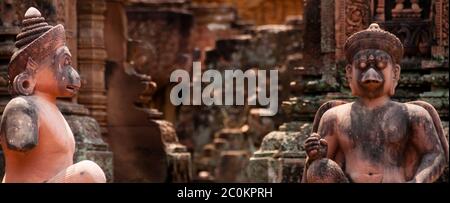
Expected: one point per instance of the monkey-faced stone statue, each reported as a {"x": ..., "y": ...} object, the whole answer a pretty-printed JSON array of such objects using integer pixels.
[{"x": 37, "y": 142}]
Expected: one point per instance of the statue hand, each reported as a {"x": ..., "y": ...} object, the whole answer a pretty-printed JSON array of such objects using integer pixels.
[{"x": 315, "y": 147}]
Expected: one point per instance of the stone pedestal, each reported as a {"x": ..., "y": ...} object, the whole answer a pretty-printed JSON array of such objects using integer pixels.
[{"x": 281, "y": 157}]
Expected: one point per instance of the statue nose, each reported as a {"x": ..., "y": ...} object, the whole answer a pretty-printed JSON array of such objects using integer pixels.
[
  {"x": 371, "y": 76},
  {"x": 76, "y": 81}
]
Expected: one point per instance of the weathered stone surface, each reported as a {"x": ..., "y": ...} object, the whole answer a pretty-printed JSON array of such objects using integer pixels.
[
  {"x": 179, "y": 166},
  {"x": 309, "y": 69},
  {"x": 164, "y": 34},
  {"x": 231, "y": 166},
  {"x": 267, "y": 48},
  {"x": 261, "y": 12},
  {"x": 281, "y": 156}
]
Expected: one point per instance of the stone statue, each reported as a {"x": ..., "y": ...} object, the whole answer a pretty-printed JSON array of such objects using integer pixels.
[
  {"x": 37, "y": 141},
  {"x": 375, "y": 139}
]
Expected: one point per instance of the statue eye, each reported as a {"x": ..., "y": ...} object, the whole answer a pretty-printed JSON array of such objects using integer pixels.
[
  {"x": 381, "y": 64},
  {"x": 67, "y": 61},
  {"x": 362, "y": 64}
]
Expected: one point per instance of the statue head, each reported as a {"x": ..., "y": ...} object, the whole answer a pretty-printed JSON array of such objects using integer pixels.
[
  {"x": 42, "y": 61},
  {"x": 373, "y": 57}
]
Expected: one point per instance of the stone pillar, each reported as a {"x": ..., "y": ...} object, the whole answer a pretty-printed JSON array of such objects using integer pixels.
[
  {"x": 91, "y": 58},
  {"x": 328, "y": 42}
]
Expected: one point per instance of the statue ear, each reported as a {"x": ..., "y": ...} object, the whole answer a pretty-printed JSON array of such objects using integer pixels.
[
  {"x": 348, "y": 75},
  {"x": 396, "y": 69},
  {"x": 396, "y": 78},
  {"x": 348, "y": 72},
  {"x": 24, "y": 83}
]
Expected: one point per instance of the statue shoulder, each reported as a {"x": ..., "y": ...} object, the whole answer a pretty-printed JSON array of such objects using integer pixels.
[
  {"x": 328, "y": 110},
  {"x": 420, "y": 110},
  {"x": 19, "y": 124},
  {"x": 424, "y": 111}
]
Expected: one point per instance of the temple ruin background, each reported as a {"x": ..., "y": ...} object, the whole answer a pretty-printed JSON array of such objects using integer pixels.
[{"x": 125, "y": 51}]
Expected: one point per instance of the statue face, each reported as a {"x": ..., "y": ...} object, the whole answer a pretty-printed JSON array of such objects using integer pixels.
[
  {"x": 56, "y": 76},
  {"x": 372, "y": 74}
]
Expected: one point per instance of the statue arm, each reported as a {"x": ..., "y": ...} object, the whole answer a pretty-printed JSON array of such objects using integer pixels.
[
  {"x": 327, "y": 149},
  {"x": 426, "y": 141},
  {"x": 323, "y": 144},
  {"x": 20, "y": 125},
  {"x": 327, "y": 131}
]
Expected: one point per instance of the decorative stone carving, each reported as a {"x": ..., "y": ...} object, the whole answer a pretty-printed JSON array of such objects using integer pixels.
[
  {"x": 399, "y": 11},
  {"x": 441, "y": 28},
  {"x": 351, "y": 16}
]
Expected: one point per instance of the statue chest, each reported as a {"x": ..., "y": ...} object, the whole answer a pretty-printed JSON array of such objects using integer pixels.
[
  {"x": 55, "y": 133},
  {"x": 377, "y": 134}
]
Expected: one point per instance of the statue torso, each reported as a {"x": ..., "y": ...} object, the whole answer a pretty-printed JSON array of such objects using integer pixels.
[
  {"x": 373, "y": 143},
  {"x": 53, "y": 152}
]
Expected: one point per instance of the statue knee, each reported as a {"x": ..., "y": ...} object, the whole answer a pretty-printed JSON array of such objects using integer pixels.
[
  {"x": 90, "y": 172},
  {"x": 325, "y": 171}
]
